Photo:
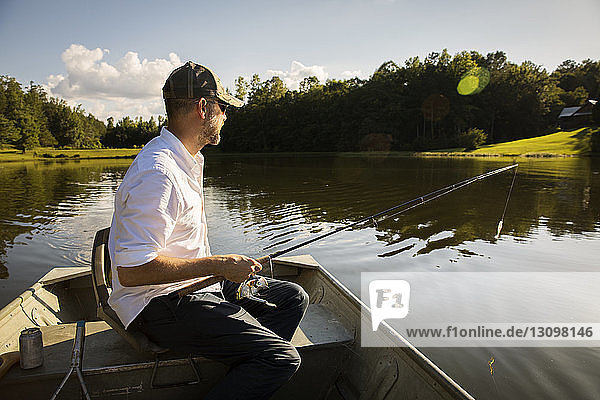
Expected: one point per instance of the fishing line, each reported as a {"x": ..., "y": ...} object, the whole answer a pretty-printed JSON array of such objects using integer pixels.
[{"x": 505, "y": 206}]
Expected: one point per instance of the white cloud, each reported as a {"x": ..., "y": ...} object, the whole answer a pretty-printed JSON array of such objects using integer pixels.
[
  {"x": 352, "y": 74},
  {"x": 130, "y": 87},
  {"x": 298, "y": 72}
]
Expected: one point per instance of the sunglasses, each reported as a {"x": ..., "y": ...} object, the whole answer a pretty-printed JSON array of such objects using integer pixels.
[{"x": 222, "y": 106}]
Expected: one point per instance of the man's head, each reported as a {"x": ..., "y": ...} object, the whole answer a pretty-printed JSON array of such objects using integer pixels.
[{"x": 195, "y": 99}]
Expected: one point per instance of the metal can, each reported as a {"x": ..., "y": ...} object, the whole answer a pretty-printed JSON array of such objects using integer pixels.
[{"x": 31, "y": 348}]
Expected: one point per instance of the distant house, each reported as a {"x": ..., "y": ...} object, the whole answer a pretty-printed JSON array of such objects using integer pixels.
[{"x": 575, "y": 117}]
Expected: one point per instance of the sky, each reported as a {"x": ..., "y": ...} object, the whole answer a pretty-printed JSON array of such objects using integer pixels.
[{"x": 114, "y": 56}]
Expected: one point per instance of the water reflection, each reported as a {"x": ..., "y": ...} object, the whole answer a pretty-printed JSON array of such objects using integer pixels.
[
  {"x": 36, "y": 194},
  {"x": 285, "y": 199},
  {"x": 281, "y": 200}
]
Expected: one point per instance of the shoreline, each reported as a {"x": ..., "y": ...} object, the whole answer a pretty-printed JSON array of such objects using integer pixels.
[
  {"x": 12, "y": 157},
  {"x": 560, "y": 144},
  {"x": 46, "y": 154}
]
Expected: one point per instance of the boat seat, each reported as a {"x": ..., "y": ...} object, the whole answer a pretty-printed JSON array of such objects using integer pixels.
[{"x": 101, "y": 282}]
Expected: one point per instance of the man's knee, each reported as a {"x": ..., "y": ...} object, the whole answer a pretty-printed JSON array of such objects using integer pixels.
[
  {"x": 300, "y": 296},
  {"x": 283, "y": 359},
  {"x": 291, "y": 359},
  {"x": 304, "y": 297}
]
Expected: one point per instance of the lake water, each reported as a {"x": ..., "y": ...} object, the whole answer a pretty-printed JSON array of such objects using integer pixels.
[{"x": 259, "y": 204}]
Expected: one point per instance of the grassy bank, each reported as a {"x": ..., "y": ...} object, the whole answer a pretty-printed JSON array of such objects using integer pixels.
[
  {"x": 576, "y": 142},
  {"x": 572, "y": 143},
  {"x": 68, "y": 154},
  {"x": 569, "y": 143}
]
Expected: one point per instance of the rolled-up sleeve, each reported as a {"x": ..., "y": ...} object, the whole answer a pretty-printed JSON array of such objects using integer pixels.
[{"x": 145, "y": 217}]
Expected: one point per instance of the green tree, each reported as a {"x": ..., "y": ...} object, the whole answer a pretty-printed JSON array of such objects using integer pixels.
[
  {"x": 254, "y": 85},
  {"x": 269, "y": 91},
  {"x": 575, "y": 97},
  {"x": 308, "y": 83},
  {"x": 131, "y": 133},
  {"x": 472, "y": 138},
  {"x": 29, "y": 131},
  {"x": 34, "y": 99},
  {"x": 110, "y": 123},
  {"x": 9, "y": 133},
  {"x": 74, "y": 133},
  {"x": 12, "y": 100},
  {"x": 40, "y": 120},
  {"x": 241, "y": 88}
]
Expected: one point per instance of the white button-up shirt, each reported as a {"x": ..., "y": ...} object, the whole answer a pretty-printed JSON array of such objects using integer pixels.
[{"x": 159, "y": 210}]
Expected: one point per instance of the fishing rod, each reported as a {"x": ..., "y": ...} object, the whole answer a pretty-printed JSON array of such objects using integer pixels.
[
  {"x": 375, "y": 218},
  {"x": 410, "y": 204}
]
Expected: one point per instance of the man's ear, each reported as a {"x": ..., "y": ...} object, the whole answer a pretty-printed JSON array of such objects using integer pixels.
[{"x": 201, "y": 109}]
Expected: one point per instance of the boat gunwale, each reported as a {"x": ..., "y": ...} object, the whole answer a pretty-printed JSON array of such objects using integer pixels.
[{"x": 19, "y": 300}]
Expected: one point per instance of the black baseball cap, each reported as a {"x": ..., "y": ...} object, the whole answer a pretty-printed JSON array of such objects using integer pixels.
[{"x": 192, "y": 81}]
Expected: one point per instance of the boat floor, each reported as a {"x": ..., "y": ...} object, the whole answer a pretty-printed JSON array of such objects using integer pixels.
[{"x": 106, "y": 352}]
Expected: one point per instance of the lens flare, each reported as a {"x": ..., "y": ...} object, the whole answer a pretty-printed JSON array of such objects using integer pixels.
[
  {"x": 376, "y": 142},
  {"x": 474, "y": 81},
  {"x": 468, "y": 85}
]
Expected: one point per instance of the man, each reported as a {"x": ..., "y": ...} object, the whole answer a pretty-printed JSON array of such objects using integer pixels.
[{"x": 158, "y": 245}]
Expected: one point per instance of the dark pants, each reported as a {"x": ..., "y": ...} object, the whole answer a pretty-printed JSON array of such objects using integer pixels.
[{"x": 253, "y": 339}]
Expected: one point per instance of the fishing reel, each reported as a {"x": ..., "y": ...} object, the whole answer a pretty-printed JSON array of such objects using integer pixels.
[{"x": 250, "y": 287}]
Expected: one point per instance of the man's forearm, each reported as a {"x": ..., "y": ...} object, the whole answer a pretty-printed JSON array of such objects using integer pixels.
[{"x": 165, "y": 269}]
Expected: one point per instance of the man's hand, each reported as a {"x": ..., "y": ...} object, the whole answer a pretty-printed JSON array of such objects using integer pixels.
[{"x": 238, "y": 268}]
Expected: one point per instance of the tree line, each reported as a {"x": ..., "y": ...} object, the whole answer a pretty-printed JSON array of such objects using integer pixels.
[
  {"x": 29, "y": 118},
  {"x": 414, "y": 106},
  {"x": 129, "y": 132}
]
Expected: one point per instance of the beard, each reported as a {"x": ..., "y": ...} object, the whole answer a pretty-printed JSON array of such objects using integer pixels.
[{"x": 212, "y": 130}]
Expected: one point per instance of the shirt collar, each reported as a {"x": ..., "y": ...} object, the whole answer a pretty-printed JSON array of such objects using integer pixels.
[{"x": 192, "y": 163}]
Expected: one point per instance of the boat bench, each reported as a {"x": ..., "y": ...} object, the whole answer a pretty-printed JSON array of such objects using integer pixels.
[{"x": 116, "y": 366}]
